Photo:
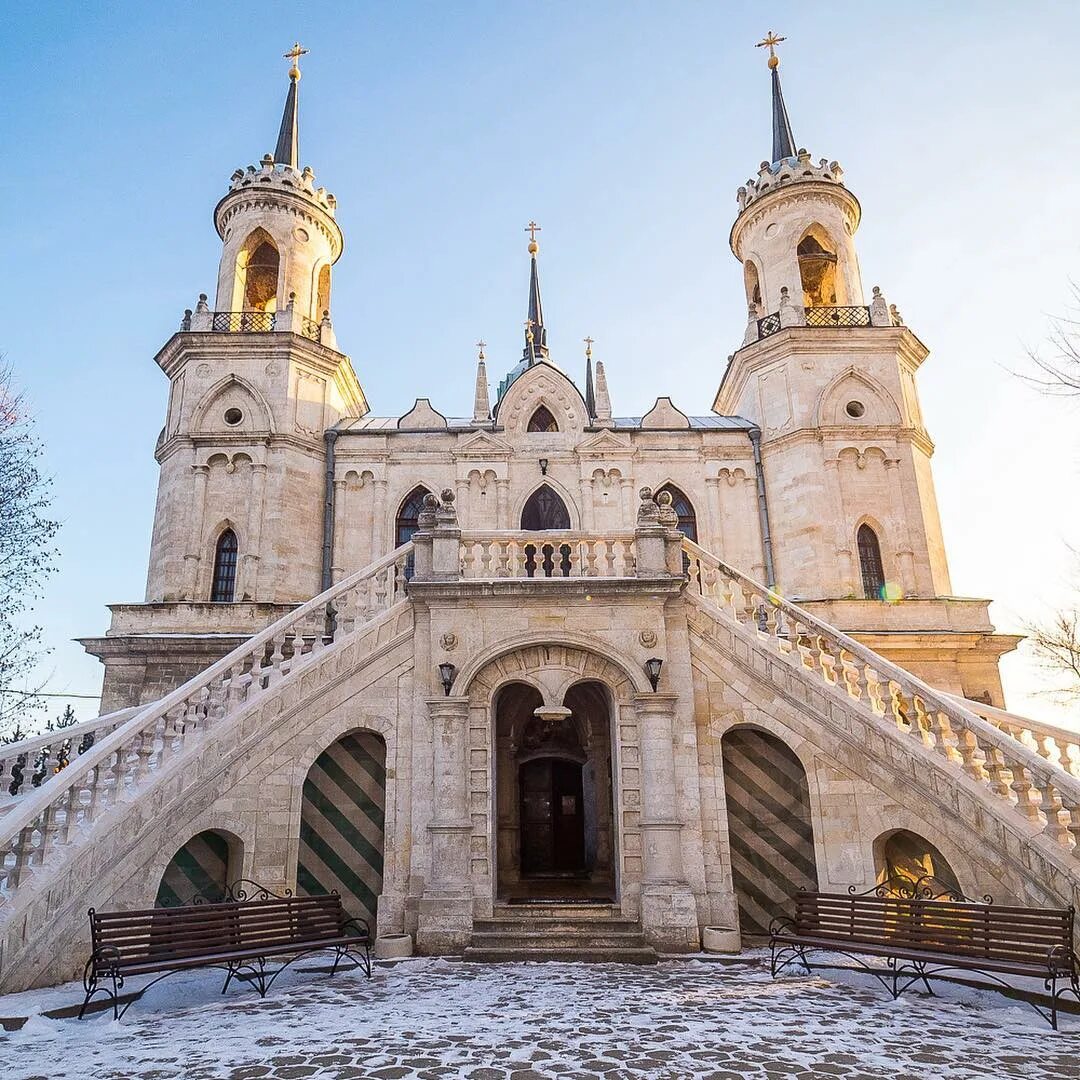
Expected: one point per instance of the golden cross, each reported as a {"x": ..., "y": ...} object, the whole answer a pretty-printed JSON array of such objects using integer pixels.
[
  {"x": 532, "y": 229},
  {"x": 294, "y": 55},
  {"x": 770, "y": 42},
  {"x": 529, "y": 324},
  {"x": 588, "y": 345},
  {"x": 481, "y": 345}
]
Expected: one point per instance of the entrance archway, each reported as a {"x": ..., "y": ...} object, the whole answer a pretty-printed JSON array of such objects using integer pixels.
[
  {"x": 553, "y": 776},
  {"x": 769, "y": 826},
  {"x": 201, "y": 870},
  {"x": 342, "y": 822}
]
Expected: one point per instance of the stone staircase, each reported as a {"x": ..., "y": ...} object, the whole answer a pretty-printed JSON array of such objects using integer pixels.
[{"x": 594, "y": 933}]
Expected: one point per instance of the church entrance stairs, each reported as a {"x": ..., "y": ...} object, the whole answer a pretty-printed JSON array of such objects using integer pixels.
[{"x": 595, "y": 933}]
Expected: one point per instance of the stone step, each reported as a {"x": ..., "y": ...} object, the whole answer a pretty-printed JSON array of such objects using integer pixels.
[
  {"x": 606, "y": 955},
  {"x": 562, "y": 939},
  {"x": 555, "y": 926},
  {"x": 557, "y": 911}
]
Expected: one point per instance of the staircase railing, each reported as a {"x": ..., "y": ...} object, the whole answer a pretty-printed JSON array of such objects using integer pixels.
[
  {"x": 562, "y": 554},
  {"x": 1044, "y": 794},
  {"x": 123, "y": 760},
  {"x": 29, "y": 763}
]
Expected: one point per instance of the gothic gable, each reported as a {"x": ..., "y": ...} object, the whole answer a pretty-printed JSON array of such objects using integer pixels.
[
  {"x": 232, "y": 405},
  {"x": 854, "y": 398},
  {"x": 605, "y": 444},
  {"x": 483, "y": 446},
  {"x": 542, "y": 385},
  {"x": 422, "y": 417}
]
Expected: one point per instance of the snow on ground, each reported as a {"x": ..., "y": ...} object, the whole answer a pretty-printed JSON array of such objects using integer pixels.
[{"x": 436, "y": 1019}]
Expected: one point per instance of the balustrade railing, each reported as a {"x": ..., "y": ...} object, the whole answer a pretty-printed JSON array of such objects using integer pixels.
[
  {"x": 770, "y": 324},
  {"x": 122, "y": 761},
  {"x": 1041, "y": 791},
  {"x": 547, "y": 555},
  {"x": 242, "y": 322},
  {"x": 838, "y": 316},
  {"x": 309, "y": 328},
  {"x": 29, "y": 763}
]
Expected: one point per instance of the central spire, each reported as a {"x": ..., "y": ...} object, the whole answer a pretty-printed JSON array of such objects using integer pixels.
[
  {"x": 287, "y": 151},
  {"x": 535, "y": 334},
  {"x": 783, "y": 141}
]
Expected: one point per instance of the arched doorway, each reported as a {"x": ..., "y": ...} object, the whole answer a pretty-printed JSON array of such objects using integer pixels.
[
  {"x": 553, "y": 774},
  {"x": 201, "y": 870},
  {"x": 769, "y": 826},
  {"x": 904, "y": 858},
  {"x": 544, "y": 510},
  {"x": 342, "y": 822}
]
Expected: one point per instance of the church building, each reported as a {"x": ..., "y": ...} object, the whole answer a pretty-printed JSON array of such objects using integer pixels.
[{"x": 649, "y": 674}]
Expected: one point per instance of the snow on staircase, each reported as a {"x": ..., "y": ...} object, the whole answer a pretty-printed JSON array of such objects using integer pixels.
[{"x": 1021, "y": 776}]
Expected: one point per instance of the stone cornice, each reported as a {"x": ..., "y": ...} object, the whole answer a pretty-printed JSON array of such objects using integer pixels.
[
  {"x": 798, "y": 192},
  {"x": 584, "y": 589}
]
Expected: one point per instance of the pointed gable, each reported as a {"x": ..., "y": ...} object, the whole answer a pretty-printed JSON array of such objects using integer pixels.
[{"x": 542, "y": 384}]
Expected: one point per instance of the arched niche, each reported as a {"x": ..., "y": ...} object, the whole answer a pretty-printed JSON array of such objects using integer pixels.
[
  {"x": 816, "y": 253},
  {"x": 342, "y": 824},
  {"x": 904, "y": 858},
  {"x": 201, "y": 869},
  {"x": 258, "y": 265},
  {"x": 770, "y": 832}
]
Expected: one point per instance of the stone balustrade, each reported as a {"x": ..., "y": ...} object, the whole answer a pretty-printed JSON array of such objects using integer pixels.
[
  {"x": 123, "y": 761},
  {"x": 289, "y": 320},
  {"x": 29, "y": 763},
  {"x": 547, "y": 555},
  {"x": 877, "y": 313},
  {"x": 1036, "y": 787}
]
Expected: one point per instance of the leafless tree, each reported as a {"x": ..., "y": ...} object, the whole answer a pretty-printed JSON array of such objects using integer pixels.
[
  {"x": 1059, "y": 373},
  {"x": 1056, "y": 643},
  {"x": 26, "y": 552}
]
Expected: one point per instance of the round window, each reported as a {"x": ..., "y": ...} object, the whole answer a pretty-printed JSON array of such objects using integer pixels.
[
  {"x": 855, "y": 409},
  {"x": 233, "y": 417}
]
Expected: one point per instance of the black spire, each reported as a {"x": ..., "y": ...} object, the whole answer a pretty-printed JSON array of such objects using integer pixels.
[
  {"x": 287, "y": 151},
  {"x": 535, "y": 335},
  {"x": 783, "y": 142},
  {"x": 590, "y": 393}
]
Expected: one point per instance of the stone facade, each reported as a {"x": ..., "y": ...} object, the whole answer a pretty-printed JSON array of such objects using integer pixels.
[{"x": 547, "y": 548}]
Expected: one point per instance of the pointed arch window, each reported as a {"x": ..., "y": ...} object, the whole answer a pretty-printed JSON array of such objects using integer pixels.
[
  {"x": 408, "y": 515},
  {"x": 542, "y": 420},
  {"x": 870, "y": 565},
  {"x": 685, "y": 509},
  {"x": 544, "y": 510},
  {"x": 817, "y": 268},
  {"x": 223, "y": 588}
]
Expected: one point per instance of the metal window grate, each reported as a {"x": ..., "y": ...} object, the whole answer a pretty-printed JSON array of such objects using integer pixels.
[
  {"x": 837, "y": 316},
  {"x": 768, "y": 325},
  {"x": 242, "y": 322}
]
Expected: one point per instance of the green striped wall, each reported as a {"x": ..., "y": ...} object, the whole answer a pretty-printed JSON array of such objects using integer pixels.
[
  {"x": 771, "y": 837},
  {"x": 341, "y": 824},
  {"x": 199, "y": 868}
]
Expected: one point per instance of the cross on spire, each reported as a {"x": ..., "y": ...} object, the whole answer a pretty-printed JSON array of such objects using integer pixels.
[
  {"x": 481, "y": 345},
  {"x": 588, "y": 345},
  {"x": 770, "y": 42},
  {"x": 532, "y": 229},
  {"x": 294, "y": 55}
]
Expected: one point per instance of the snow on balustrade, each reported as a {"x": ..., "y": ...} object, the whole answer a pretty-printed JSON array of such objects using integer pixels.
[
  {"x": 119, "y": 763},
  {"x": 547, "y": 555},
  {"x": 1038, "y": 786}
]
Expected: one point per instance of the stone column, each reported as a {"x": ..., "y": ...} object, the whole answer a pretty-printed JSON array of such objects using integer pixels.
[
  {"x": 190, "y": 585},
  {"x": 626, "y": 485},
  {"x": 715, "y": 542},
  {"x": 905, "y": 553},
  {"x": 502, "y": 496},
  {"x": 254, "y": 556},
  {"x": 668, "y": 909},
  {"x": 587, "y": 517},
  {"x": 378, "y": 522},
  {"x": 445, "y": 914}
]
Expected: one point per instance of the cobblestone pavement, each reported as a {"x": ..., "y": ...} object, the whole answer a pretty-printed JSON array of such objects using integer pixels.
[{"x": 434, "y": 1019}]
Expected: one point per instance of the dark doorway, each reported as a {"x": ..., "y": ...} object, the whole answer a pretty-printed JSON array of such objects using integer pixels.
[
  {"x": 544, "y": 510},
  {"x": 552, "y": 818}
]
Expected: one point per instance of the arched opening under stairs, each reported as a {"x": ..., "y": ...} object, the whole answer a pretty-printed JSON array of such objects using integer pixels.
[
  {"x": 342, "y": 824},
  {"x": 817, "y": 268},
  {"x": 554, "y": 805},
  {"x": 201, "y": 870},
  {"x": 905, "y": 859},
  {"x": 769, "y": 826}
]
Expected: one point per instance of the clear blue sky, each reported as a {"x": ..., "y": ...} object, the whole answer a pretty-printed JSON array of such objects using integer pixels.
[{"x": 624, "y": 129}]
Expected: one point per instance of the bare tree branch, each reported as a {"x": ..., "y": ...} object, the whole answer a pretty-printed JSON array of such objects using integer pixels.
[{"x": 1059, "y": 375}]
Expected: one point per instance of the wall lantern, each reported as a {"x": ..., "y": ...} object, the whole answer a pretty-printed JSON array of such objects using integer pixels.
[
  {"x": 543, "y": 466},
  {"x": 447, "y": 671},
  {"x": 652, "y": 669}
]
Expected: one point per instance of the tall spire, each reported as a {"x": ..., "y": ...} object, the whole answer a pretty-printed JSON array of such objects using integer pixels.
[
  {"x": 535, "y": 334},
  {"x": 590, "y": 394},
  {"x": 287, "y": 151},
  {"x": 481, "y": 400},
  {"x": 783, "y": 141}
]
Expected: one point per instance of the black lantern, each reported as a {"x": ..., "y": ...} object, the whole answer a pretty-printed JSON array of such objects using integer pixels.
[
  {"x": 543, "y": 466},
  {"x": 652, "y": 669},
  {"x": 446, "y": 674}
]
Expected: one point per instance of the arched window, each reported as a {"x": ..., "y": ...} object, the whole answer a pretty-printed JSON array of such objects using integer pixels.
[
  {"x": 817, "y": 268},
  {"x": 223, "y": 588},
  {"x": 873, "y": 573},
  {"x": 542, "y": 420},
  {"x": 322, "y": 302},
  {"x": 408, "y": 515},
  {"x": 544, "y": 510},
  {"x": 685, "y": 509},
  {"x": 753, "y": 284},
  {"x": 257, "y": 266}
]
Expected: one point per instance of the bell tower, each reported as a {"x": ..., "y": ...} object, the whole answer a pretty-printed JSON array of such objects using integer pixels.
[{"x": 278, "y": 231}]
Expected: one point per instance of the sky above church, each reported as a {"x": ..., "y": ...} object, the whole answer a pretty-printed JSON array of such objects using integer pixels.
[{"x": 624, "y": 129}]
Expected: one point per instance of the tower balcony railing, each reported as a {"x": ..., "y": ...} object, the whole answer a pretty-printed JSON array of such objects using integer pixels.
[
  {"x": 287, "y": 320},
  {"x": 830, "y": 317}
]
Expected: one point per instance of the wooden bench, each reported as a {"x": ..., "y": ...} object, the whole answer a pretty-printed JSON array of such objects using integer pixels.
[
  {"x": 239, "y": 935},
  {"x": 919, "y": 938}
]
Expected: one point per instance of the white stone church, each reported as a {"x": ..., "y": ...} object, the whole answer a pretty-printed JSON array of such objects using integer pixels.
[{"x": 655, "y": 673}]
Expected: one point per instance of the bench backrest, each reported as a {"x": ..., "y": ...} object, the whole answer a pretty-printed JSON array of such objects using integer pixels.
[
  {"x": 161, "y": 934},
  {"x": 985, "y": 931}
]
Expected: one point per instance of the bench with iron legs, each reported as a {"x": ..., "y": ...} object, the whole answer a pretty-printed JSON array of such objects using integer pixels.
[
  {"x": 240, "y": 935},
  {"x": 920, "y": 938}
]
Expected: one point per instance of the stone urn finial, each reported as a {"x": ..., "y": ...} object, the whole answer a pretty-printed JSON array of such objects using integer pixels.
[
  {"x": 426, "y": 518},
  {"x": 667, "y": 516},
  {"x": 648, "y": 512}
]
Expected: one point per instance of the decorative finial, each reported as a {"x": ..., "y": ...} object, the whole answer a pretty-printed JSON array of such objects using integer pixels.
[
  {"x": 532, "y": 229},
  {"x": 588, "y": 345},
  {"x": 770, "y": 43},
  {"x": 529, "y": 324},
  {"x": 294, "y": 55},
  {"x": 481, "y": 345}
]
